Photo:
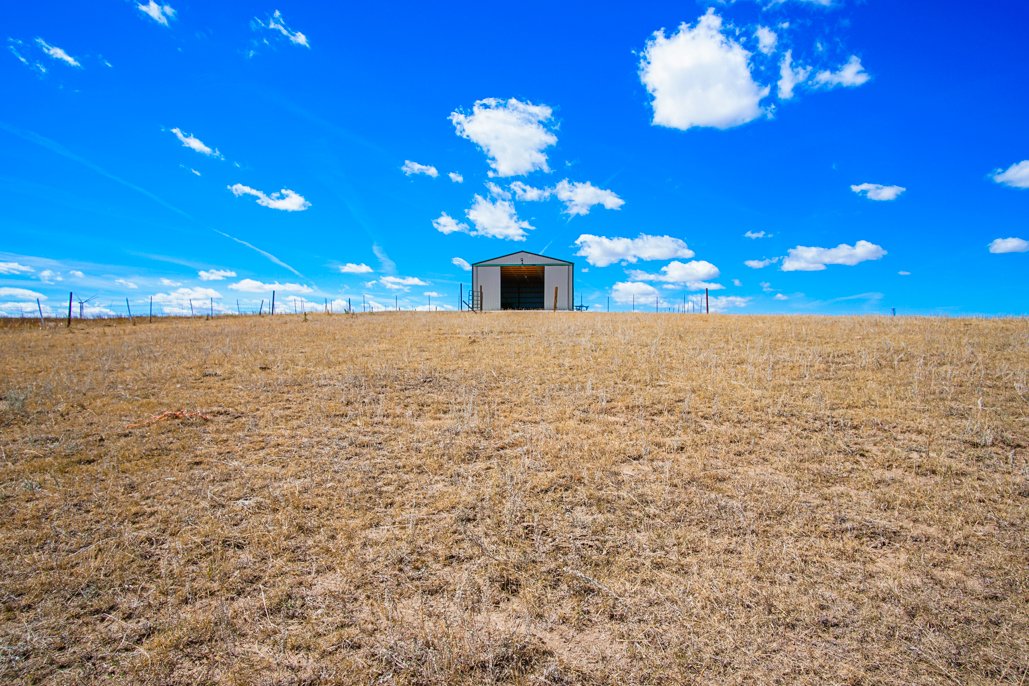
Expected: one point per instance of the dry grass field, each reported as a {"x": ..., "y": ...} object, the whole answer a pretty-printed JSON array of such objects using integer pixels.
[{"x": 530, "y": 498}]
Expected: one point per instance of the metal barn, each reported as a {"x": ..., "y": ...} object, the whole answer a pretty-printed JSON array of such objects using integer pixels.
[{"x": 523, "y": 281}]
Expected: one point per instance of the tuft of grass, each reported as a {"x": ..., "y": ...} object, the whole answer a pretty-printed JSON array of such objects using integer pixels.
[{"x": 524, "y": 498}]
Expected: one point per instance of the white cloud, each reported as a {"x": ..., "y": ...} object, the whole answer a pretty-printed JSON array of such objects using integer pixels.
[
  {"x": 216, "y": 274},
  {"x": 57, "y": 53},
  {"x": 812, "y": 259},
  {"x": 385, "y": 263},
  {"x": 170, "y": 283},
  {"x": 1016, "y": 176},
  {"x": 790, "y": 77},
  {"x": 780, "y": 296},
  {"x": 528, "y": 193},
  {"x": 50, "y": 276},
  {"x": 194, "y": 172},
  {"x": 757, "y": 234},
  {"x": 601, "y": 251},
  {"x": 15, "y": 268},
  {"x": 850, "y": 75},
  {"x": 626, "y": 292},
  {"x": 462, "y": 263},
  {"x": 693, "y": 274},
  {"x": 159, "y": 13},
  {"x": 401, "y": 283},
  {"x": 433, "y": 294},
  {"x": 252, "y": 286},
  {"x": 904, "y": 273},
  {"x": 726, "y": 302},
  {"x": 185, "y": 301},
  {"x": 351, "y": 268},
  {"x": 700, "y": 77},
  {"x": 513, "y": 134},
  {"x": 877, "y": 191},
  {"x": 194, "y": 143},
  {"x": 766, "y": 39},
  {"x": 1005, "y": 245},
  {"x": 737, "y": 283},
  {"x": 77, "y": 274},
  {"x": 761, "y": 264},
  {"x": 409, "y": 168},
  {"x": 496, "y": 219},
  {"x": 455, "y": 177},
  {"x": 277, "y": 23},
  {"x": 580, "y": 197},
  {"x": 446, "y": 224},
  {"x": 125, "y": 283},
  {"x": 285, "y": 199},
  {"x": 20, "y": 294},
  {"x": 497, "y": 192}
]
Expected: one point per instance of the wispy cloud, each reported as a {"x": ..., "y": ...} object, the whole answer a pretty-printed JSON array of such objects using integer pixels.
[
  {"x": 254, "y": 286},
  {"x": 20, "y": 294},
  {"x": 278, "y": 25},
  {"x": 850, "y": 75},
  {"x": 125, "y": 283},
  {"x": 401, "y": 283},
  {"x": 15, "y": 268},
  {"x": 194, "y": 143},
  {"x": 461, "y": 263},
  {"x": 159, "y": 13},
  {"x": 757, "y": 234},
  {"x": 761, "y": 264},
  {"x": 215, "y": 274},
  {"x": 385, "y": 263},
  {"x": 57, "y": 53},
  {"x": 413, "y": 168},
  {"x": 285, "y": 199},
  {"x": 253, "y": 247}
]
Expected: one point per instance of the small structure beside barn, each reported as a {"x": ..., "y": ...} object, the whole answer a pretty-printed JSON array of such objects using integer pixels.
[{"x": 523, "y": 281}]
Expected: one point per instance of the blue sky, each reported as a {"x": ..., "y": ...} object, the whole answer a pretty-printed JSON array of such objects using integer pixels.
[{"x": 799, "y": 156}]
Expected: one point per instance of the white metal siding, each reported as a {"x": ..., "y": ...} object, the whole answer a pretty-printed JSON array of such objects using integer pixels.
[
  {"x": 559, "y": 276},
  {"x": 489, "y": 280}
]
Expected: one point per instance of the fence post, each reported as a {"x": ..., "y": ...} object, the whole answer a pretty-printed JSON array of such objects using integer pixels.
[
  {"x": 40, "y": 307},
  {"x": 129, "y": 308},
  {"x": 238, "y": 311},
  {"x": 460, "y": 297},
  {"x": 70, "y": 294},
  {"x": 260, "y": 310},
  {"x": 707, "y": 303},
  {"x": 273, "y": 302},
  {"x": 151, "y": 320},
  {"x": 480, "y": 298},
  {"x": 191, "y": 307},
  {"x": 555, "y": 298}
]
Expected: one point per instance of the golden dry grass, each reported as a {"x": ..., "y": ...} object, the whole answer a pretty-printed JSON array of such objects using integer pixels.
[{"x": 530, "y": 498}]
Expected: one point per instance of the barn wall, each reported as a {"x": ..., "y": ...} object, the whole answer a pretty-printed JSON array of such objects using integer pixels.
[
  {"x": 561, "y": 277},
  {"x": 489, "y": 279}
]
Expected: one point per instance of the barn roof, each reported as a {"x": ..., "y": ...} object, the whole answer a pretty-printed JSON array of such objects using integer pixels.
[{"x": 519, "y": 258}]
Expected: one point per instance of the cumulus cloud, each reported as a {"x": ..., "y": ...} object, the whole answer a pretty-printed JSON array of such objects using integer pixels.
[
  {"x": 159, "y": 13},
  {"x": 401, "y": 283},
  {"x": 723, "y": 303},
  {"x": 20, "y": 294},
  {"x": 278, "y": 24},
  {"x": 462, "y": 263},
  {"x": 182, "y": 301},
  {"x": 513, "y": 134},
  {"x": 700, "y": 77},
  {"x": 528, "y": 193},
  {"x": 766, "y": 39},
  {"x": 15, "y": 268},
  {"x": 761, "y": 264},
  {"x": 780, "y": 296},
  {"x": 77, "y": 274},
  {"x": 1005, "y": 245},
  {"x": 693, "y": 274},
  {"x": 411, "y": 168},
  {"x": 50, "y": 276},
  {"x": 351, "y": 268},
  {"x": 57, "y": 53},
  {"x": 904, "y": 273},
  {"x": 850, "y": 75},
  {"x": 285, "y": 199},
  {"x": 125, "y": 283},
  {"x": 253, "y": 286},
  {"x": 601, "y": 251},
  {"x": 580, "y": 197},
  {"x": 496, "y": 219},
  {"x": 455, "y": 177},
  {"x": 215, "y": 274},
  {"x": 877, "y": 191},
  {"x": 1016, "y": 176},
  {"x": 812, "y": 259},
  {"x": 446, "y": 224},
  {"x": 626, "y": 292},
  {"x": 757, "y": 234},
  {"x": 789, "y": 76},
  {"x": 170, "y": 283},
  {"x": 194, "y": 143}
]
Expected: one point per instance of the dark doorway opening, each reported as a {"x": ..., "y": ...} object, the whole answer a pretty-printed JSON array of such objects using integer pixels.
[{"x": 521, "y": 288}]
